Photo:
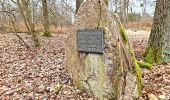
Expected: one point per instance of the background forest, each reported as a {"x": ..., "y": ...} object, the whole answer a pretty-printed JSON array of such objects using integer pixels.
[{"x": 61, "y": 13}]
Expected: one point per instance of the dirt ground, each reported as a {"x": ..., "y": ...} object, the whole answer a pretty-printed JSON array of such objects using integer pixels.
[{"x": 36, "y": 73}]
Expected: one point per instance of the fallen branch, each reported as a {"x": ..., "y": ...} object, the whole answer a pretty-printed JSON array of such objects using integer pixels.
[
  {"x": 16, "y": 34},
  {"x": 10, "y": 92}
]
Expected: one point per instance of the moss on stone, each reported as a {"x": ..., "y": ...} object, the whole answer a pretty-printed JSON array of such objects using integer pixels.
[
  {"x": 123, "y": 33},
  {"x": 145, "y": 65},
  {"x": 153, "y": 54},
  {"x": 138, "y": 71}
]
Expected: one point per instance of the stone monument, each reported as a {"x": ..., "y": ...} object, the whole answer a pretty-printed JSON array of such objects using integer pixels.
[{"x": 97, "y": 58}]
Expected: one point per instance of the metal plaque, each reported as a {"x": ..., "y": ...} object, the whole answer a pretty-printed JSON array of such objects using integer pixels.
[{"x": 90, "y": 40}]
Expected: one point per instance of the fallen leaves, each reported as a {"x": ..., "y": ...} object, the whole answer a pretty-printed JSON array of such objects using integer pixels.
[
  {"x": 156, "y": 82},
  {"x": 34, "y": 73}
]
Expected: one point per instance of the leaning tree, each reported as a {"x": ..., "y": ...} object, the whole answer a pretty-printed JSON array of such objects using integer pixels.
[
  {"x": 24, "y": 7},
  {"x": 159, "y": 42}
]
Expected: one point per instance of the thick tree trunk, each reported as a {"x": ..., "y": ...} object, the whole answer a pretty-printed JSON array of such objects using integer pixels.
[
  {"x": 46, "y": 18},
  {"x": 107, "y": 76},
  {"x": 166, "y": 36},
  {"x": 160, "y": 33}
]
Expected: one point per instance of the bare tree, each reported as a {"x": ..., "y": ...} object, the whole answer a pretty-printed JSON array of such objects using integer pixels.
[
  {"x": 10, "y": 13},
  {"x": 121, "y": 7},
  {"x": 25, "y": 10},
  {"x": 123, "y": 10},
  {"x": 46, "y": 18}
]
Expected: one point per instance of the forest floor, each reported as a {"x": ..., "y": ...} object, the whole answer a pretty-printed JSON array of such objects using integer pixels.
[
  {"x": 38, "y": 73},
  {"x": 156, "y": 82},
  {"x": 35, "y": 73}
]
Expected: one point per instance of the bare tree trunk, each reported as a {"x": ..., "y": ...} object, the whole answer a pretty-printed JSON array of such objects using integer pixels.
[
  {"x": 25, "y": 11},
  {"x": 144, "y": 8},
  {"x": 12, "y": 18},
  {"x": 122, "y": 11},
  {"x": 126, "y": 8},
  {"x": 23, "y": 15},
  {"x": 46, "y": 18},
  {"x": 159, "y": 42}
]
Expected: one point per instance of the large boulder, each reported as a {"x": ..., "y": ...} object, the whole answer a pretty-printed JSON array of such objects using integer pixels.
[{"x": 110, "y": 75}]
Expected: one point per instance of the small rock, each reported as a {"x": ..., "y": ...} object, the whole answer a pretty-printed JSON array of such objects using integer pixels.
[
  {"x": 29, "y": 97},
  {"x": 167, "y": 69},
  {"x": 78, "y": 91},
  {"x": 49, "y": 89},
  {"x": 41, "y": 89},
  {"x": 152, "y": 97},
  {"x": 162, "y": 97}
]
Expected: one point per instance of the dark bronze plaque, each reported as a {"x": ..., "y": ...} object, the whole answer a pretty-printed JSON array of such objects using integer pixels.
[{"x": 90, "y": 41}]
